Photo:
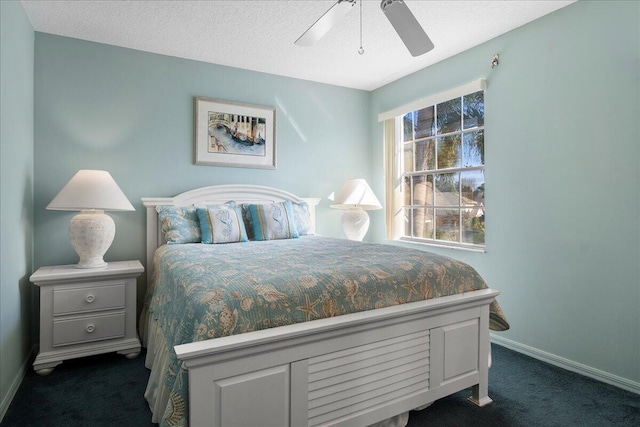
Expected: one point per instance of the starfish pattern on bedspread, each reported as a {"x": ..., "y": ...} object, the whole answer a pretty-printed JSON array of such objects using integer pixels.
[{"x": 200, "y": 291}]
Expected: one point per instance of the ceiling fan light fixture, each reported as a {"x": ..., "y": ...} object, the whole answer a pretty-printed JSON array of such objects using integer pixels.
[{"x": 407, "y": 26}]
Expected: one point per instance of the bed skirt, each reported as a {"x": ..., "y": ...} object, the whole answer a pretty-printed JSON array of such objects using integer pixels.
[{"x": 157, "y": 393}]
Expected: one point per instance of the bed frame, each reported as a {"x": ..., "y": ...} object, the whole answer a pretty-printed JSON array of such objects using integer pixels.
[{"x": 355, "y": 369}]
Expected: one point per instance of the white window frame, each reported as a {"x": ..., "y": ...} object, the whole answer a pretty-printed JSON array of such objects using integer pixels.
[{"x": 395, "y": 220}]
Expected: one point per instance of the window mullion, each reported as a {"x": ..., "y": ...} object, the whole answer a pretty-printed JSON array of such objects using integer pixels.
[
  {"x": 411, "y": 212},
  {"x": 459, "y": 207},
  {"x": 451, "y": 170},
  {"x": 435, "y": 135}
]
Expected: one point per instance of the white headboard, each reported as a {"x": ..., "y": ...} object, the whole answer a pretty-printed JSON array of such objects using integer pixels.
[{"x": 214, "y": 194}]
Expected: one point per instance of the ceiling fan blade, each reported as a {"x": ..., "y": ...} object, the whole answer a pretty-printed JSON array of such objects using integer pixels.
[
  {"x": 407, "y": 27},
  {"x": 325, "y": 22}
]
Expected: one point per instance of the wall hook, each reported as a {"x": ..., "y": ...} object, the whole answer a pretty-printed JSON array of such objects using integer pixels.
[{"x": 495, "y": 60}]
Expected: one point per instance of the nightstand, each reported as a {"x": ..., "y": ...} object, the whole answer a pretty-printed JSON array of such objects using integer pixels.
[{"x": 86, "y": 311}]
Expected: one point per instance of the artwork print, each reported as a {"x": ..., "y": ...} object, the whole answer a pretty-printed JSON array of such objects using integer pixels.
[{"x": 233, "y": 134}]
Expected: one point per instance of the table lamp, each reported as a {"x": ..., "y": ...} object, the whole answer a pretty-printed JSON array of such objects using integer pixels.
[
  {"x": 92, "y": 231},
  {"x": 356, "y": 197}
]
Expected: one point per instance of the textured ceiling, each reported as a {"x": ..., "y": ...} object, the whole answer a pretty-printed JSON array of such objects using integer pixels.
[{"x": 258, "y": 35}]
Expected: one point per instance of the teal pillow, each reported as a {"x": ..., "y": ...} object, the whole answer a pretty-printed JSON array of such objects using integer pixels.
[
  {"x": 302, "y": 217},
  {"x": 222, "y": 225},
  {"x": 248, "y": 224},
  {"x": 180, "y": 224},
  {"x": 273, "y": 221}
]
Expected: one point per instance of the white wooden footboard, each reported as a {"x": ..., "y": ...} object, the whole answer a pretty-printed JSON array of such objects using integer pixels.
[{"x": 353, "y": 370}]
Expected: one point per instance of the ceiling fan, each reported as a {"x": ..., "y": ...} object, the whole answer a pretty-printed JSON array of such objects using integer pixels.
[{"x": 396, "y": 11}]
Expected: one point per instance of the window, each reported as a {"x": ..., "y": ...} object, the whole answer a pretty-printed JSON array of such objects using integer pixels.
[{"x": 435, "y": 176}]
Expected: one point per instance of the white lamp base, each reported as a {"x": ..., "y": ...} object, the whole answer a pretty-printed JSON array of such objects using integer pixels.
[
  {"x": 355, "y": 223},
  {"x": 92, "y": 233}
]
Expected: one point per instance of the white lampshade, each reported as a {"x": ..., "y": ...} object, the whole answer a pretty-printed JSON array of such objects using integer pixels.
[
  {"x": 92, "y": 231},
  {"x": 91, "y": 189},
  {"x": 356, "y": 193},
  {"x": 356, "y": 196}
]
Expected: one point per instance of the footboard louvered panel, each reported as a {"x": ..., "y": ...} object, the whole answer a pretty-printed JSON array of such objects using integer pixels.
[
  {"x": 349, "y": 381},
  {"x": 352, "y": 370}
]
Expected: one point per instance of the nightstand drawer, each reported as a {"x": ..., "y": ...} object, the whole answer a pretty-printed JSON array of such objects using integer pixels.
[
  {"x": 78, "y": 300},
  {"x": 87, "y": 329}
]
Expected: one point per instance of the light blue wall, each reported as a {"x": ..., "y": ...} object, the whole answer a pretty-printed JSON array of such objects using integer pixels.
[
  {"x": 16, "y": 197},
  {"x": 563, "y": 240},
  {"x": 562, "y": 177},
  {"x": 131, "y": 113}
]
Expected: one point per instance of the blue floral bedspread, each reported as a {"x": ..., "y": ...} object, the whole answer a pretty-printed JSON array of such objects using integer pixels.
[{"x": 204, "y": 291}]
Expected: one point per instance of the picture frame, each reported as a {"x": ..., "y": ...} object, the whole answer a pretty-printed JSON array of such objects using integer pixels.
[{"x": 234, "y": 134}]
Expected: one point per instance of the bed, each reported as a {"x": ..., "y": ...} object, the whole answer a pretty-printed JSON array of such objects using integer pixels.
[{"x": 307, "y": 331}]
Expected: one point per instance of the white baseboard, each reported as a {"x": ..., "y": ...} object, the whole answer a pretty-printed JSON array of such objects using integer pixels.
[
  {"x": 15, "y": 384},
  {"x": 567, "y": 364}
]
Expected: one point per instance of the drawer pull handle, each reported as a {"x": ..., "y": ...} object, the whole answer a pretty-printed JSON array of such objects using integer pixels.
[
  {"x": 90, "y": 298},
  {"x": 90, "y": 328}
]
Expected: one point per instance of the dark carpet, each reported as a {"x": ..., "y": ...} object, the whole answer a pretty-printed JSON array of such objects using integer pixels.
[
  {"x": 107, "y": 390},
  {"x": 527, "y": 392},
  {"x": 96, "y": 391}
]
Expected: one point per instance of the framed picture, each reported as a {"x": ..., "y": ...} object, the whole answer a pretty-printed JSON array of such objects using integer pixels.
[{"x": 234, "y": 134}]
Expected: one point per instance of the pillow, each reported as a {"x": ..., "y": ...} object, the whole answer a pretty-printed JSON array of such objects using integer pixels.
[
  {"x": 246, "y": 216},
  {"x": 222, "y": 225},
  {"x": 181, "y": 224},
  {"x": 302, "y": 217},
  {"x": 273, "y": 221}
]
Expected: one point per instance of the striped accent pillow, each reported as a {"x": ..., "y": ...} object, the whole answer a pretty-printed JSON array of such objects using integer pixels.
[
  {"x": 222, "y": 225},
  {"x": 273, "y": 221}
]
